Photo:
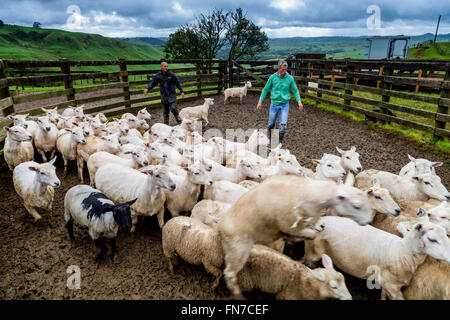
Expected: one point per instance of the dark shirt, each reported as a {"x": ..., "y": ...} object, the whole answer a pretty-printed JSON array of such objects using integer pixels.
[{"x": 167, "y": 83}]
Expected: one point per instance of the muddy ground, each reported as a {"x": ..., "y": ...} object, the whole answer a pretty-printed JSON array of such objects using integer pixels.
[{"x": 34, "y": 257}]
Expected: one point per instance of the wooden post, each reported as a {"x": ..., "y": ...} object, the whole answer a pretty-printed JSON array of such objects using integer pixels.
[
  {"x": 221, "y": 75},
  {"x": 380, "y": 73},
  {"x": 238, "y": 77},
  {"x": 199, "y": 79},
  {"x": 348, "y": 80},
  {"x": 230, "y": 73},
  {"x": 445, "y": 93},
  {"x": 416, "y": 91},
  {"x": 4, "y": 92},
  {"x": 357, "y": 79},
  {"x": 386, "y": 86},
  {"x": 68, "y": 84},
  {"x": 333, "y": 77},
  {"x": 124, "y": 78},
  {"x": 298, "y": 65},
  {"x": 320, "y": 86}
]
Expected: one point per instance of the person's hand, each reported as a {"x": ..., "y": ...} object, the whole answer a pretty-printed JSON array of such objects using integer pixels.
[
  {"x": 258, "y": 107},
  {"x": 300, "y": 106},
  {"x": 145, "y": 91},
  {"x": 182, "y": 95}
]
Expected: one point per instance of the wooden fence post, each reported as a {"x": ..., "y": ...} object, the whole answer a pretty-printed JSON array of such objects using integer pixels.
[
  {"x": 445, "y": 93},
  {"x": 199, "y": 79},
  {"x": 230, "y": 74},
  {"x": 348, "y": 80},
  {"x": 386, "y": 86},
  {"x": 416, "y": 91},
  {"x": 124, "y": 78},
  {"x": 333, "y": 78},
  {"x": 8, "y": 108},
  {"x": 68, "y": 84},
  {"x": 320, "y": 86},
  {"x": 221, "y": 75},
  {"x": 298, "y": 65}
]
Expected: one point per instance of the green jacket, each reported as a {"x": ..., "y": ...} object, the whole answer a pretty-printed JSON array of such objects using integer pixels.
[{"x": 280, "y": 89}]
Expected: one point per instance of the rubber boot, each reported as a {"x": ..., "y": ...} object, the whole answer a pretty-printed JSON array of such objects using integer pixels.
[
  {"x": 281, "y": 137},
  {"x": 166, "y": 121}
]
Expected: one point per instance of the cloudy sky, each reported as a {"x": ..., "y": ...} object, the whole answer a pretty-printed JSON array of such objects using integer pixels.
[{"x": 278, "y": 18}]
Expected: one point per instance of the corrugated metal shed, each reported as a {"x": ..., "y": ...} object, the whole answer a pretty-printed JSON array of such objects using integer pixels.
[{"x": 386, "y": 47}]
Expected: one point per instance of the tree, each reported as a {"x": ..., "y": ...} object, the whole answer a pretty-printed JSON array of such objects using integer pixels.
[
  {"x": 36, "y": 24},
  {"x": 244, "y": 37},
  {"x": 184, "y": 43},
  {"x": 1, "y": 23},
  {"x": 210, "y": 29}
]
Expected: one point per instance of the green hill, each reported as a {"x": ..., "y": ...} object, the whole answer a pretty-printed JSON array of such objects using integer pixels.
[
  {"x": 440, "y": 50},
  {"x": 25, "y": 43}
]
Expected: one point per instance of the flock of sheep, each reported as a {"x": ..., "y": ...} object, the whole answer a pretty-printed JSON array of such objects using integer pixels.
[{"x": 371, "y": 224}]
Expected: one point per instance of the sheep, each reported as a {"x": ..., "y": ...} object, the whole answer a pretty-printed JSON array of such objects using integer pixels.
[
  {"x": 18, "y": 147},
  {"x": 195, "y": 243},
  {"x": 122, "y": 183},
  {"x": 34, "y": 183},
  {"x": 257, "y": 138},
  {"x": 283, "y": 206},
  {"x": 21, "y": 120},
  {"x": 224, "y": 191},
  {"x": 197, "y": 112},
  {"x": 188, "y": 181},
  {"x": 329, "y": 168},
  {"x": 271, "y": 271},
  {"x": 160, "y": 130},
  {"x": 209, "y": 211},
  {"x": 271, "y": 160},
  {"x": 244, "y": 169},
  {"x": 45, "y": 137},
  {"x": 53, "y": 116},
  {"x": 418, "y": 166},
  {"x": 236, "y": 92},
  {"x": 109, "y": 143},
  {"x": 360, "y": 250},
  {"x": 67, "y": 144},
  {"x": 142, "y": 114},
  {"x": 76, "y": 112},
  {"x": 350, "y": 160},
  {"x": 139, "y": 158},
  {"x": 286, "y": 164},
  {"x": 89, "y": 207},
  {"x": 118, "y": 126},
  {"x": 404, "y": 189}
]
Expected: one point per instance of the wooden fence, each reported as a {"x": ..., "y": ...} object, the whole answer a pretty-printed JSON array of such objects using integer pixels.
[
  {"x": 361, "y": 85},
  {"x": 66, "y": 81}
]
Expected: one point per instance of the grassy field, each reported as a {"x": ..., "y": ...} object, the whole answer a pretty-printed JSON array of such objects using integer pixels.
[{"x": 430, "y": 51}]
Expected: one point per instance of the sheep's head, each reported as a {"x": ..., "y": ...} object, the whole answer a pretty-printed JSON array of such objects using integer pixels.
[
  {"x": 46, "y": 173},
  {"x": 380, "y": 200},
  {"x": 18, "y": 133},
  {"x": 350, "y": 159},
  {"x": 432, "y": 186}
]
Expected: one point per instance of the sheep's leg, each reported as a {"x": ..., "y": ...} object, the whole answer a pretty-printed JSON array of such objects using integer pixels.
[
  {"x": 160, "y": 216},
  {"x": 171, "y": 256},
  {"x": 69, "y": 226},
  {"x": 50, "y": 214},
  {"x": 134, "y": 220},
  {"x": 80, "y": 166},
  {"x": 52, "y": 154},
  {"x": 33, "y": 212},
  {"x": 216, "y": 272},
  {"x": 44, "y": 158},
  {"x": 11, "y": 168},
  {"x": 100, "y": 244},
  {"x": 393, "y": 291},
  {"x": 91, "y": 178},
  {"x": 312, "y": 253},
  {"x": 65, "y": 165},
  {"x": 235, "y": 258},
  {"x": 112, "y": 241}
]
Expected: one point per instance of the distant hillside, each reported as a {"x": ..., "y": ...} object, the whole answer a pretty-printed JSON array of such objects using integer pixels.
[
  {"x": 440, "y": 50},
  {"x": 25, "y": 43},
  {"x": 155, "y": 42}
]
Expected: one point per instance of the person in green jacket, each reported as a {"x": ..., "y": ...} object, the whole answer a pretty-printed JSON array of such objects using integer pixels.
[{"x": 280, "y": 85}]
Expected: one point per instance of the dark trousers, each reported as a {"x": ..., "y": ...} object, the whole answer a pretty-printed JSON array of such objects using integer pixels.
[{"x": 170, "y": 107}]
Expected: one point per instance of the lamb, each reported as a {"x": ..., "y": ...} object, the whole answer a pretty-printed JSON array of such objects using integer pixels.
[
  {"x": 329, "y": 168},
  {"x": 67, "y": 144},
  {"x": 195, "y": 243},
  {"x": 76, "y": 112},
  {"x": 18, "y": 147},
  {"x": 244, "y": 169},
  {"x": 34, "y": 183},
  {"x": 404, "y": 189},
  {"x": 109, "y": 143},
  {"x": 89, "y": 207},
  {"x": 122, "y": 183},
  {"x": 53, "y": 116},
  {"x": 271, "y": 271},
  {"x": 21, "y": 120},
  {"x": 197, "y": 112},
  {"x": 286, "y": 164},
  {"x": 139, "y": 158},
  {"x": 188, "y": 181},
  {"x": 45, "y": 137},
  {"x": 360, "y": 250},
  {"x": 236, "y": 92},
  {"x": 224, "y": 191},
  {"x": 350, "y": 160},
  {"x": 284, "y": 206},
  {"x": 142, "y": 114},
  {"x": 418, "y": 166}
]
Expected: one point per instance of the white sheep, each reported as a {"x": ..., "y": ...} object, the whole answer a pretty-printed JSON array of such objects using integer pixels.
[
  {"x": 209, "y": 211},
  {"x": 18, "y": 147},
  {"x": 67, "y": 143},
  {"x": 365, "y": 251},
  {"x": 122, "y": 183},
  {"x": 418, "y": 166},
  {"x": 21, "y": 120},
  {"x": 244, "y": 169},
  {"x": 329, "y": 168},
  {"x": 350, "y": 160},
  {"x": 224, "y": 191},
  {"x": 197, "y": 112},
  {"x": 236, "y": 92},
  {"x": 34, "y": 183},
  {"x": 45, "y": 137}
]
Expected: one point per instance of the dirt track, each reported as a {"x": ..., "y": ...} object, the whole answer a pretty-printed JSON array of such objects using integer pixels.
[{"x": 34, "y": 258}]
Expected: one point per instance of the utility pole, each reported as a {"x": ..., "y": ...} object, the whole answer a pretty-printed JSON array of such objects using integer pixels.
[{"x": 437, "y": 27}]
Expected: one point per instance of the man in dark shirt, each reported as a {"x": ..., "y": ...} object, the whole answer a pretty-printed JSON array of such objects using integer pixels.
[{"x": 167, "y": 81}]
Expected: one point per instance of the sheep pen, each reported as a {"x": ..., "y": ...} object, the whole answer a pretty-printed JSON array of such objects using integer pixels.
[{"x": 34, "y": 257}]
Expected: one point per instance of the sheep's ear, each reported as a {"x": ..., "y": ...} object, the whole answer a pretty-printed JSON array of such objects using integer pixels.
[
  {"x": 340, "y": 150},
  {"x": 416, "y": 178},
  {"x": 319, "y": 276},
  {"x": 148, "y": 172},
  {"x": 7, "y": 129},
  {"x": 128, "y": 152},
  {"x": 376, "y": 183},
  {"x": 32, "y": 168},
  {"x": 411, "y": 158},
  {"x": 316, "y": 161},
  {"x": 418, "y": 227},
  {"x": 53, "y": 161},
  {"x": 147, "y": 144},
  {"x": 130, "y": 203},
  {"x": 11, "y": 117},
  {"x": 422, "y": 214},
  {"x": 370, "y": 191},
  {"x": 75, "y": 124},
  {"x": 326, "y": 261},
  {"x": 44, "y": 110},
  {"x": 341, "y": 198},
  {"x": 353, "y": 149},
  {"x": 437, "y": 164},
  {"x": 186, "y": 169}
]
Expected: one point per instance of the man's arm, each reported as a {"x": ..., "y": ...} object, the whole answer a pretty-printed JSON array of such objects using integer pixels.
[
  {"x": 264, "y": 92},
  {"x": 178, "y": 84},
  {"x": 294, "y": 90},
  {"x": 151, "y": 84}
]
